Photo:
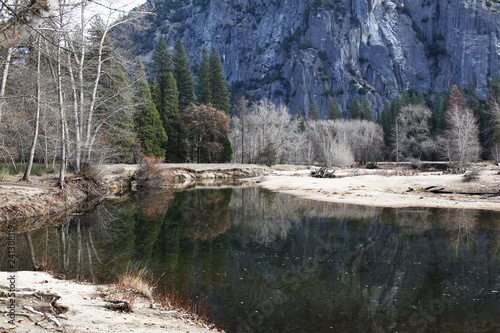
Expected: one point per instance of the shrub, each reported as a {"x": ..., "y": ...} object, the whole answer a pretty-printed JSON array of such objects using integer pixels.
[
  {"x": 149, "y": 172},
  {"x": 135, "y": 279}
]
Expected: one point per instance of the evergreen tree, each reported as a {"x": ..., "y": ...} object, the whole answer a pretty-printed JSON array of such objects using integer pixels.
[
  {"x": 405, "y": 98},
  {"x": 367, "y": 110},
  {"x": 154, "y": 88},
  {"x": 494, "y": 91},
  {"x": 385, "y": 120},
  {"x": 162, "y": 67},
  {"x": 227, "y": 150},
  {"x": 333, "y": 109},
  {"x": 417, "y": 98},
  {"x": 314, "y": 112},
  {"x": 172, "y": 123},
  {"x": 119, "y": 129},
  {"x": 183, "y": 76},
  {"x": 355, "y": 109},
  {"x": 437, "y": 113},
  {"x": 147, "y": 119},
  {"x": 396, "y": 105},
  {"x": 204, "y": 91},
  {"x": 218, "y": 83}
]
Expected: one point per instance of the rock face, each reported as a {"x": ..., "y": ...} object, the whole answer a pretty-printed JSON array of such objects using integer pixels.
[{"x": 293, "y": 51}]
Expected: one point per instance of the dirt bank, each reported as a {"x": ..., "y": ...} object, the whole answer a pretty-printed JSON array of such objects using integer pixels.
[
  {"x": 390, "y": 188},
  {"x": 41, "y": 199},
  {"x": 43, "y": 303}
]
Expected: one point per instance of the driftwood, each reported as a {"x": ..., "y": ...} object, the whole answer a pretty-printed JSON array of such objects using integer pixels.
[
  {"x": 46, "y": 315},
  {"x": 441, "y": 190},
  {"x": 120, "y": 305},
  {"x": 323, "y": 173}
]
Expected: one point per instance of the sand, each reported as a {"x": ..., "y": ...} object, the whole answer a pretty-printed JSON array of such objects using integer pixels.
[
  {"x": 85, "y": 309},
  {"x": 382, "y": 188}
]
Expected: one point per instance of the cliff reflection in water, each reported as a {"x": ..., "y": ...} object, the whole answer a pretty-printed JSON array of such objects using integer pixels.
[{"x": 269, "y": 262}]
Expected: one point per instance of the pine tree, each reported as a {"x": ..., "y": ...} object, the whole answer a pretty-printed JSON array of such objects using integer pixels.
[
  {"x": 367, "y": 110},
  {"x": 494, "y": 90},
  {"x": 385, "y": 120},
  {"x": 147, "y": 119},
  {"x": 417, "y": 98},
  {"x": 227, "y": 150},
  {"x": 333, "y": 109},
  {"x": 218, "y": 83},
  {"x": 183, "y": 76},
  {"x": 204, "y": 91},
  {"x": 172, "y": 123},
  {"x": 162, "y": 66},
  {"x": 154, "y": 88},
  {"x": 355, "y": 109},
  {"x": 120, "y": 129},
  {"x": 314, "y": 112},
  {"x": 437, "y": 113}
]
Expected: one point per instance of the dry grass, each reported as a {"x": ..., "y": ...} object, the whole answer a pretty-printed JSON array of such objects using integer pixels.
[{"x": 136, "y": 280}]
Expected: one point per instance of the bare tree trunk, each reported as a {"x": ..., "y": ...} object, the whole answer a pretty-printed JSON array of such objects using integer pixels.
[
  {"x": 93, "y": 97},
  {"x": 62, "y": 117},
  {"x": 63, "y": 247},
  {"x": 78, "y": 248},
  {"x": 32, "y": 251},
  {"x": 4, "y": 81},
  {"x": 91, "y": 265},
  {"x": 37, "y": 115}
]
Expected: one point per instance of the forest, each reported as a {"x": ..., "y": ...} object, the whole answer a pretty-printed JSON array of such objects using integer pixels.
[{"x": 71, "y": 97}]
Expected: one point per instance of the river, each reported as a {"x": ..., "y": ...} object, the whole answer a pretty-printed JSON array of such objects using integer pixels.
[{"x": 267, "y": 262}]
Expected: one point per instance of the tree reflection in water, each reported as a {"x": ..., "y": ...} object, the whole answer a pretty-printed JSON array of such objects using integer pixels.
[{"x": 275, "y": 263}]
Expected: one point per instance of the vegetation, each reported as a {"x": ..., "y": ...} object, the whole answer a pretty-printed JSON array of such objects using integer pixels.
[{"x": 95, "y": 111}]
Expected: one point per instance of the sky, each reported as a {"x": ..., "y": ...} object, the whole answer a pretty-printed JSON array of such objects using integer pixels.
[{"x": 117, "y": 7}]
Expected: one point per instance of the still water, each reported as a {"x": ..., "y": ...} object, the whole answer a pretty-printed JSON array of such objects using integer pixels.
[{"x": 267, "y": 262}]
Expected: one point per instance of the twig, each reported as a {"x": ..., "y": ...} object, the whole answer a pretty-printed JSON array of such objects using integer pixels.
[{"x": 46, "y": 315}]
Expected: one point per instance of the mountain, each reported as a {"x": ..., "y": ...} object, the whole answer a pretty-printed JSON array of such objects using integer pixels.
[{"x": 293, "y": 51}]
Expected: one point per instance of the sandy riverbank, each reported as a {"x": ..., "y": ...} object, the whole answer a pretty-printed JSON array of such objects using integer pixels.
[
  {"x": 388, "y": 188},
  {"x": 81, "y": 308},
  {"x": 42, "y": 198}
]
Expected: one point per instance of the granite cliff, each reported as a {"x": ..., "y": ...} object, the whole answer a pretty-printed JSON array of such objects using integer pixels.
[{"x": 293, "y": 51}]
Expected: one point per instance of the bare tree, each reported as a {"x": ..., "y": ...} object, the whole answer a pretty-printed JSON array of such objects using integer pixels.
[
  {"x": 5, "y": 74},
  {"x": 411, "y": 131},
  {"x": 462, "y": 137},
  {"x": 265, "y": 123},
  {"x": 330, "y": 143},
  {"x": 205, "y": 126},
  {"x": 462, "y": 134},
  {"x": 37, "y": 113},
  {"x": 241, "y": 108}
]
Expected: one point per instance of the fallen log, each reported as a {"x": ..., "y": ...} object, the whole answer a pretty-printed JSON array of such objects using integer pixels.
[
  {"x": 441, "y": 190},
  {"x": 323, "y": 173},
  {"x": 120, "y": 305}
]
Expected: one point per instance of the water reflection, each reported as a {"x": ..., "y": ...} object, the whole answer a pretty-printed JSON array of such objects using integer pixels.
[{"x": 269, "y": 262}]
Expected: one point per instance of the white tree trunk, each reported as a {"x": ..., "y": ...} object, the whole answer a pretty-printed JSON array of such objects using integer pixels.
[
  {"x": 37, "y": 115},
  {"x": 4, "y": 81}
]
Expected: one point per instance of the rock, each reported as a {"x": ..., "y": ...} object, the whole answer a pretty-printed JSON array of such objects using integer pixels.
[{"x": 302, "y": 50}]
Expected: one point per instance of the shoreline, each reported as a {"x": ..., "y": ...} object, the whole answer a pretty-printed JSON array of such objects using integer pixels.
[
  {"x": 43, "y": 303},
  {"x": 41, "y": 202},
  {"x": 374, "y": 188}
]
